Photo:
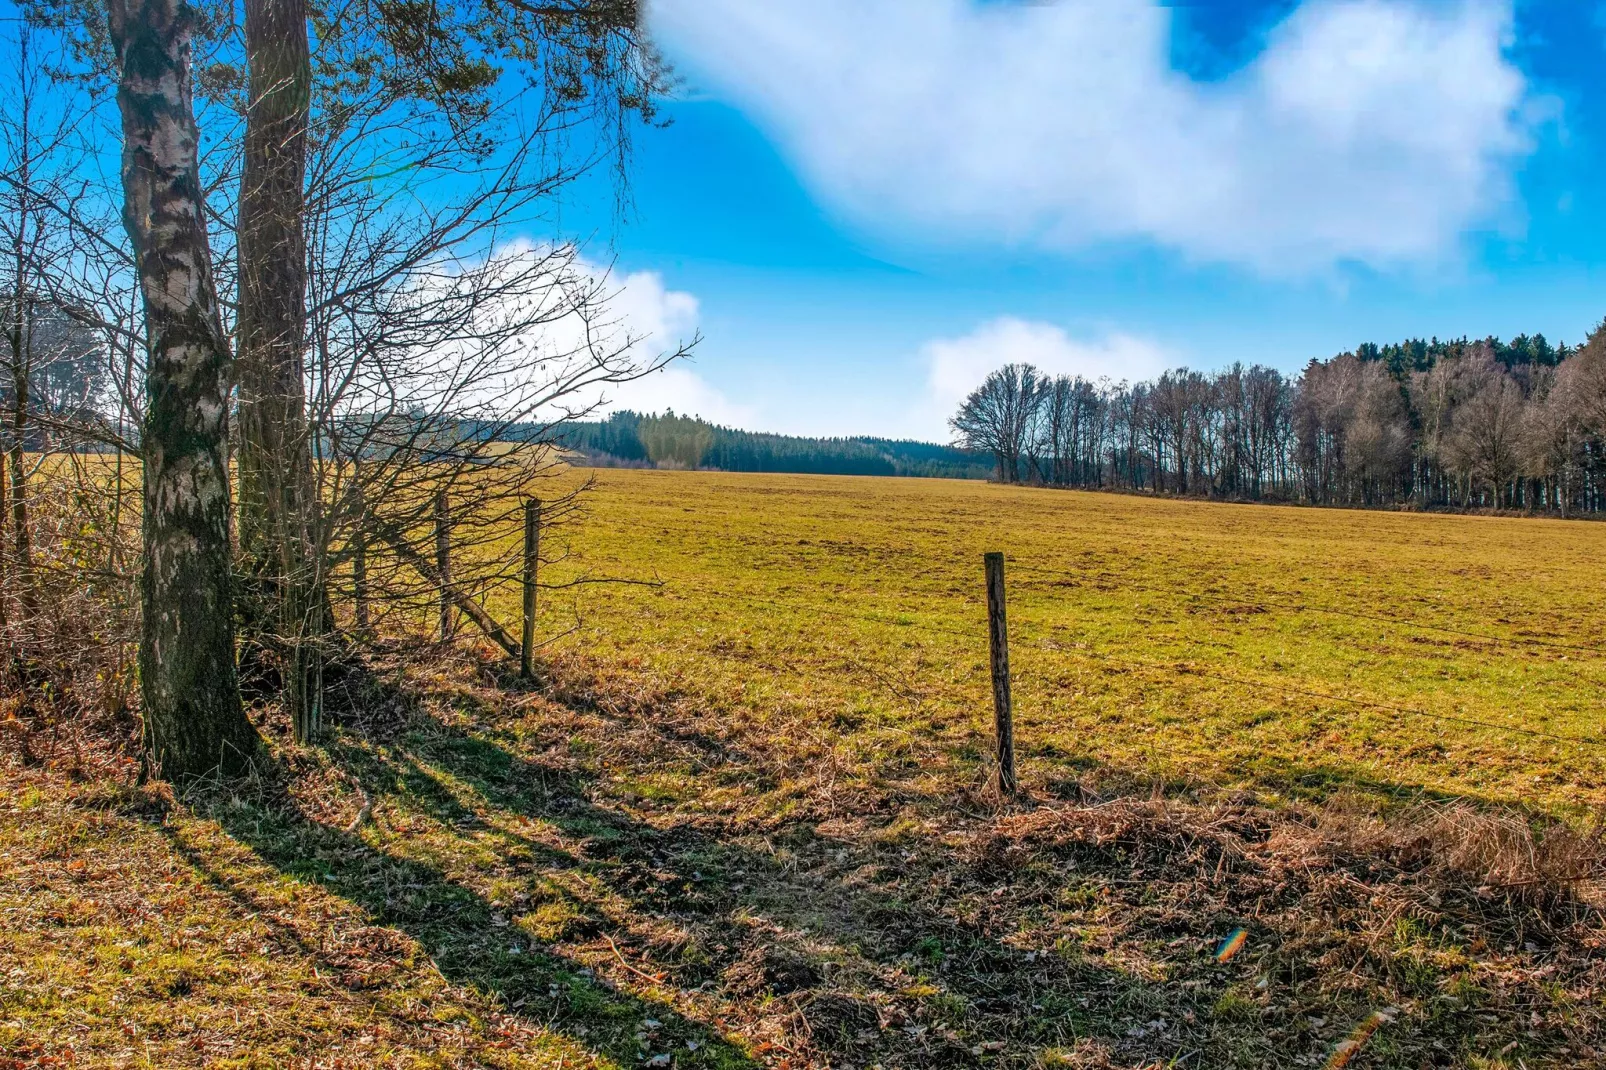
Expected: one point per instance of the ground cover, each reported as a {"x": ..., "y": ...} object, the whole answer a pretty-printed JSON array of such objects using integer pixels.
[
  {"x": 742, "y": 819},
  {"x": 1296, "y": 650}
]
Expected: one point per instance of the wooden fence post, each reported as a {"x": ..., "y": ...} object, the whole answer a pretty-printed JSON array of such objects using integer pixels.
[
  {"x": 359, "y": 561},
  {"x": 532, "y": 561},
  {"x": 443, "y": 561},
  {"x": 998, "y": 642},
  {"x": 4, "y": 586}
]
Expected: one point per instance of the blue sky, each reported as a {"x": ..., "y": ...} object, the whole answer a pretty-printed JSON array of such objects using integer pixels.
[{"x": 862, "y": 205}]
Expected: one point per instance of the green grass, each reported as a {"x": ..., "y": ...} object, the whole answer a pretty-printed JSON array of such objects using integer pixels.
[{"x": 1178, "y": 640}]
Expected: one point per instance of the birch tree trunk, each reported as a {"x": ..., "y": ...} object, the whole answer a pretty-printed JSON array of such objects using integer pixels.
[
  {"x": 277, "y": 494},
  {"x": 194, "y": 722}
]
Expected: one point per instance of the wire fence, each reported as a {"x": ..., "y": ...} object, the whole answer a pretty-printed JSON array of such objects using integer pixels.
[
  {"x": 1031, "y": 631},
  {"x": 1166, "y": 670},
  {"x": 1261, "y": 599}
]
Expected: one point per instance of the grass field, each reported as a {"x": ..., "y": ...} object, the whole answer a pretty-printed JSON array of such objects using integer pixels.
[
  {"x": 743, "y": 818},
  {"x": 1178, "y": 640}
]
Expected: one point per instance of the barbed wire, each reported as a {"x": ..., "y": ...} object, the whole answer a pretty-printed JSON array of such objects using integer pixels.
[
  {"x": 1273, "y": 686},
  {"x": 1261, "y": 600},
  {"x": 1154, "y": 668}
]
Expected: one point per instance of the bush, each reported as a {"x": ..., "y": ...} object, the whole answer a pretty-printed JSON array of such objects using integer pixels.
[{"x": 71, "y": 617}]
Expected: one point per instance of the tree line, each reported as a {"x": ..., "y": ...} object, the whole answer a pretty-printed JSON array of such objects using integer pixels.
[
  {"x": 630, "y": 439},
  {"x": 1465, "y": 424}
]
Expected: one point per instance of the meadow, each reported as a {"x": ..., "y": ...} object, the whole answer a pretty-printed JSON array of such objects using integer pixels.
[
  {"x": 1295, "y": 651},
  {"x": 1303, "y": 788}
]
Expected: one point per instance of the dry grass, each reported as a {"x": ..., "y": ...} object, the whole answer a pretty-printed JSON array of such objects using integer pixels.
[
  {"x": 679, "y": 885},
  {"x": 726, "y": 831},
  {"x": 1499, "y": 851},
  {"x": 67, "y": 652}
]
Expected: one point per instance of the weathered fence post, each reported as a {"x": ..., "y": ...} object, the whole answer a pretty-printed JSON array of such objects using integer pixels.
[
  {"x": 443, "y": 561},
  {"x": 998, "y": 642},
  {"x": 532, "y": 560},
  {"x": 359, "y": 560},
  {"x": 4, "y": 587}
]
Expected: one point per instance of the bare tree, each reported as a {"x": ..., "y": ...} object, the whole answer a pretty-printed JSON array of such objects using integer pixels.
[
  {"x": 513, "y": 100},
  {"x": 29, "y": 146},
  {"x": 1125, "y": 427},
  {"x": 1467, "y": 423},
  {"x": 1047, "y": 445},
  {"x": 1179, "y": 403},
  {"x": 1567, "y": 424},
  {"x": 998, "y": 416},
  {"x": 1266, "y": 426},
  {"x": 1378, "y": 438},
  {"x": 1486, "y": 440},
  {"x": 1436, "y": 394},
  {"x": 445, "y": 356},
  {"x": 1067, "y": 432},
  {"x": 1581, "y": 384},
  {"x": 274, "y": 455}
]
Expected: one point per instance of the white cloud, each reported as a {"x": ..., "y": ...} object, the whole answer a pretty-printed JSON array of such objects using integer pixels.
[
  {"x": 1376, "y": 131},
  {"x": 661, "y": 316},
  {"x": 663, "y": 319},
  {"x": 956, "y": 366},
  {"x": 637, "y": 317}
]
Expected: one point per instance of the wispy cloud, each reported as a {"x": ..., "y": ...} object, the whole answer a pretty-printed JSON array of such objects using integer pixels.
[
  {"x": 640, "y": 318},
  {"x": 956, "y": 366},
  {"x": 646, "y": 308},
  {"x": 1374, "y": 131}
]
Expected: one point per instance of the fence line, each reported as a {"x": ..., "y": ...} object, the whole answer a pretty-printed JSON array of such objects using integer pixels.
[
  {"x": 1169, "y": 671},
  {"x": 1402, "y": 622},
  {"x": 523, "y": 650}
]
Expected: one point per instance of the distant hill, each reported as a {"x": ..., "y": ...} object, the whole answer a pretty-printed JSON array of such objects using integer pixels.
[{"x": 631, "y": 440}]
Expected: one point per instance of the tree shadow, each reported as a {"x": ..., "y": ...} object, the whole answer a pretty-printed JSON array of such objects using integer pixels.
[
  {"x": 772, "y": 922},
  {"x": 1317, "y": 781},
  {"x": 830, "y": 946},
  {"x": 471, "y": 941},
  {"x": 778, "y": 928}
]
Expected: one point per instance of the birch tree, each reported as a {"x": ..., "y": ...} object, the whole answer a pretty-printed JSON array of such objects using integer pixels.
[{"x": 194, "y": 722}]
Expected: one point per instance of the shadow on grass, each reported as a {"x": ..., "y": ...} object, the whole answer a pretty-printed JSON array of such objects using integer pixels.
[
  {"x": 470, "y": 940},
  {"x": 1318, "y": 781},
  {"x": 859, "y": 970},
  {"x": 892, "y": 948}
]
